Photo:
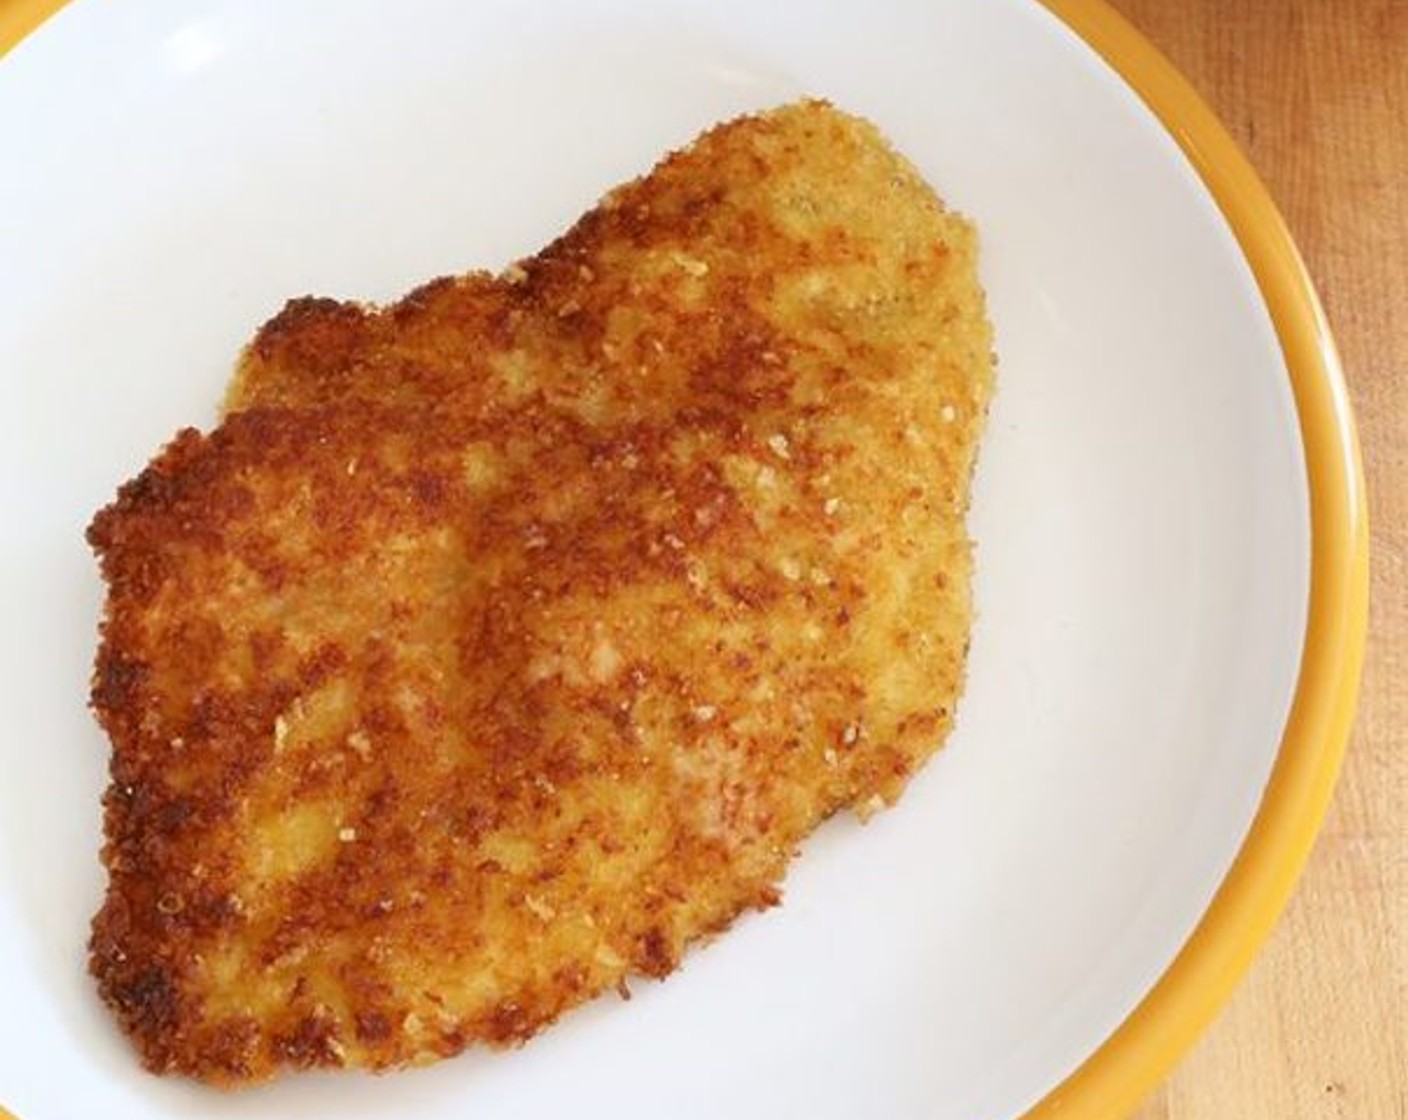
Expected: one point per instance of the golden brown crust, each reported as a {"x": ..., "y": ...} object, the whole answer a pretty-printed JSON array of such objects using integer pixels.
[{"x": 502, "y": 642}]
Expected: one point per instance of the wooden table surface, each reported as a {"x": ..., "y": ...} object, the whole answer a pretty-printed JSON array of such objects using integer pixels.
[{"x": 1316, "y": 92}]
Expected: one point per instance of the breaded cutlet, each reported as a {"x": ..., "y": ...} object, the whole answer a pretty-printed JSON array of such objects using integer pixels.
[{"x": 502, "y": 642}]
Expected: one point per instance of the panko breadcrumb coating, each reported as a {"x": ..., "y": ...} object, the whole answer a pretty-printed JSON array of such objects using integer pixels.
[{"x": 504, "y": 641}]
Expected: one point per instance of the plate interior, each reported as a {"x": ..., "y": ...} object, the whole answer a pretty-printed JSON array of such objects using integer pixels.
[{"x": 174, "y": 169}]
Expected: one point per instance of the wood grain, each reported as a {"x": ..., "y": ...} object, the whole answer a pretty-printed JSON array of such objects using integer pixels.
[{"x": 1316, "y": 92}]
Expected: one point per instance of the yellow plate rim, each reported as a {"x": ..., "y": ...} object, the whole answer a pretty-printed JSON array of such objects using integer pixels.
[
  {"x": 1112, "y": 1081},
  {"x": 1138, "y": 1055}
]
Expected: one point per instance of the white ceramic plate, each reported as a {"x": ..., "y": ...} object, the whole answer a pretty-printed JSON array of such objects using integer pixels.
[{"x": 173, "y": 169}]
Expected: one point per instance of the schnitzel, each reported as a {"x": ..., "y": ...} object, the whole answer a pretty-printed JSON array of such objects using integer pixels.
[{"x": 502, "y": 642}]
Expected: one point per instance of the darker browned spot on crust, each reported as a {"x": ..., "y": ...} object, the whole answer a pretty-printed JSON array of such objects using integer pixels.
[
  {"x": 508, "y": 1024},
  {"x": 373, "y": 1026},
  {"x": 117, "y": 681},
  {"x": 315, "y": 333},
  {"x": 311, "y": 1041},
  {"x": 148, "y": 1000},
  {"x": 654, "y": 954}
]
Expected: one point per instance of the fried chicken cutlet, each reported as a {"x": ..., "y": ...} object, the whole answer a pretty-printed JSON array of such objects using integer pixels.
[{"x": 503, "y": 641}]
